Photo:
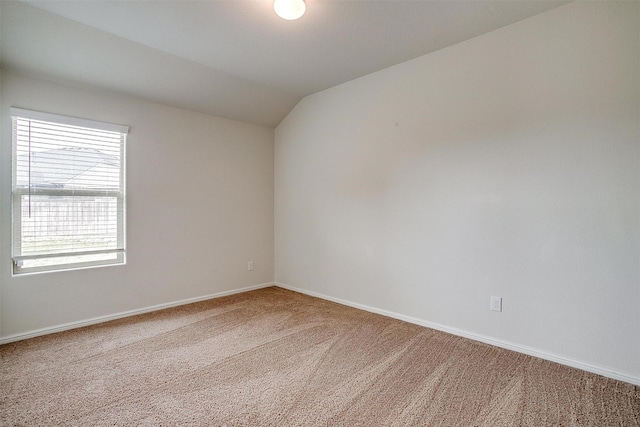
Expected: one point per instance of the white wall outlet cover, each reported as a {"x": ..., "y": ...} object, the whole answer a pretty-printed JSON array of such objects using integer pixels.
[{"x": 496, "y": 304}]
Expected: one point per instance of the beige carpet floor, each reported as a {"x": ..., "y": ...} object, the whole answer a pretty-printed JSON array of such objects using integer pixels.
[{"x": 278, "y": 358}]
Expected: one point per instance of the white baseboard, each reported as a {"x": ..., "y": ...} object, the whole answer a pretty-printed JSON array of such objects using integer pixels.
[
  {"x": 476, "y": 337},
  {"x": 101, "y": 319}
]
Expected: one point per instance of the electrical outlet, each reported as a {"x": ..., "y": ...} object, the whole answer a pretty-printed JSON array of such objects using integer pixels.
[
  {"x": 496, "y": 304},
  {"x": 250, "y": 265}
]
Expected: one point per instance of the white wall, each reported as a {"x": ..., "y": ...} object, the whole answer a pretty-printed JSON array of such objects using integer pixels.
[
  {"x": 506, "y": 165},
  {"x": 200, "y": 205}
]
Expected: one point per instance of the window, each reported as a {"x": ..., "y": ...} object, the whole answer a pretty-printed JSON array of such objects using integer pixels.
[{"x": 68, "y": 192}]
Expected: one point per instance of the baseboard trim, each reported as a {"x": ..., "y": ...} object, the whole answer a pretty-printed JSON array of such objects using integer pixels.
[
  {"x": 101, "y": 319},
  {"x": 473, "y": 336}
]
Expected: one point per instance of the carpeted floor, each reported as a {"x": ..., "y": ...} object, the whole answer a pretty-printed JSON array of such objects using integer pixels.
[{"x": 278, "y": 358}]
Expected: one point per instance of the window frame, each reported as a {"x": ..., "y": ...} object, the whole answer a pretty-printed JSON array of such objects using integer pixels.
[{"x": 17, "y": 193}]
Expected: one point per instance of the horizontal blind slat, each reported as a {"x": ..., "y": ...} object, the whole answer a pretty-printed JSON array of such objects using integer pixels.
[
  {"x": 22, "y": 258},
  {"x": 66, "y": 120}
]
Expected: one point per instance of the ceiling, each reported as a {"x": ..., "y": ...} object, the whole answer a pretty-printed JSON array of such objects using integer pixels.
[{"x": 235, "y": 58}]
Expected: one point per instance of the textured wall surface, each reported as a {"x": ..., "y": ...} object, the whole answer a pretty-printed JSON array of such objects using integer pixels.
[
  {"x": 200, "y": 205},
  {"x": 506, "y": 165}
]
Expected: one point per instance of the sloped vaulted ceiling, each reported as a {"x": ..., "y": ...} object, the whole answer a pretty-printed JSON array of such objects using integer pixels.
[{"x": 235, "y": 59}]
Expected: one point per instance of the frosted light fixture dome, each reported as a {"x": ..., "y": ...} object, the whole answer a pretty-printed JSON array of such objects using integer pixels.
[{"x": 289, "y": 9}]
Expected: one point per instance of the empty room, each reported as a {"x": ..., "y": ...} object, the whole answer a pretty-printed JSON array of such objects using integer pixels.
[{"x": 320, "y": 213}]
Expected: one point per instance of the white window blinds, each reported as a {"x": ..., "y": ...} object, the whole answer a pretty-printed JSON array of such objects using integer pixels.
[{"x": 68, "y": 192}]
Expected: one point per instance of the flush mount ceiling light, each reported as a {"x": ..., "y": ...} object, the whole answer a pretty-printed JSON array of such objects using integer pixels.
[{"x": 289, "y": 9}]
